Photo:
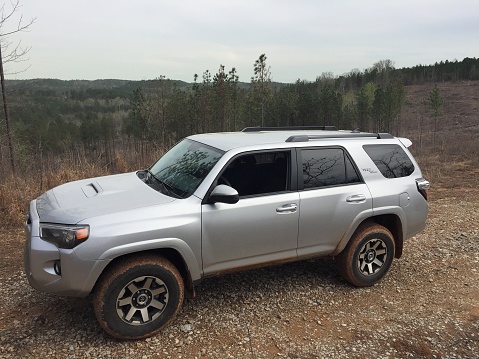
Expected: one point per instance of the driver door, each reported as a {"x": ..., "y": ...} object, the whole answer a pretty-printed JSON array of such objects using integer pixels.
[{"x": 262, "y": 226}]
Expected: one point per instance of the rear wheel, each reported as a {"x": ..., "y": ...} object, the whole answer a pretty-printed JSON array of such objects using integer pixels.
[
  {"x": 368, "y": 256},
  {"x": 138, "y": 297}
]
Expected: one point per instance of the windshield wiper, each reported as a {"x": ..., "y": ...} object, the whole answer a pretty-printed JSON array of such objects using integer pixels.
[{"x": 166, "y": 188}]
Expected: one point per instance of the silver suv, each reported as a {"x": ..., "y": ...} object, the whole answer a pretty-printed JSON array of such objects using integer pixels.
[{"x": 220, "y": 202}]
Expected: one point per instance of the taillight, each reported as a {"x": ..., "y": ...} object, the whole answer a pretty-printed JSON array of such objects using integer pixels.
[{"x": 422, "y": 186}]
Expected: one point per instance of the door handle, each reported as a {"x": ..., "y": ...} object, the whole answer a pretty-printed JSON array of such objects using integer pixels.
[
  {"x": 287, "y": 208},
  {"x": 357, "y": 198}
]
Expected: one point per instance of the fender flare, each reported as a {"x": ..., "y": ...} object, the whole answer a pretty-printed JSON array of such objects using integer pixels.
[
  {"x": 366, "y": 215},
  {"x": 176, "y": 244}
]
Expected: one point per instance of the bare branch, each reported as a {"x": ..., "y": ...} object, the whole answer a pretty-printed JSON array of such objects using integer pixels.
[
  {"x": 20, "y": 28},
  {"x": 5, "y": 17},
  {"x": 16, "y": 55},
  {"x": 11, "y": 73}
]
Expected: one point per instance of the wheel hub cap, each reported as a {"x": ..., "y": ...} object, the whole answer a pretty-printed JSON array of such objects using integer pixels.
[
  {"x": 372, "y": 257},
  {"x": 142, "y": 300}
]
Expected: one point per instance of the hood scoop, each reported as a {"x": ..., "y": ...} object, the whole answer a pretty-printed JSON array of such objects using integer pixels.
[
  {"x": 73, "y": 202},
  {"x": 91, "y": 189}
]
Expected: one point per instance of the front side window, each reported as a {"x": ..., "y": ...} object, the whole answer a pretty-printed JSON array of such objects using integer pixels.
[
  {"x": 258, "y": 173},
  {"x": 391, "y": 160},
  {"x": 327, "y": 167},
  {"x": 181, "y": 170}
]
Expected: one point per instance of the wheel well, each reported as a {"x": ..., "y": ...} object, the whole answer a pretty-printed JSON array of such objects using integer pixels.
[
  {"x": 168, "y": 253},
  {"x": 393, "y": 224}
]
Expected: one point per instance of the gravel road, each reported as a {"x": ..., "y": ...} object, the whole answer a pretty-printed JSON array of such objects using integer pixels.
[{"x": 427, "y": 306}]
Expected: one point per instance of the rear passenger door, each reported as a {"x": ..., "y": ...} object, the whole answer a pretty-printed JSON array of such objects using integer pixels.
[{"x": 332, "y": 195}]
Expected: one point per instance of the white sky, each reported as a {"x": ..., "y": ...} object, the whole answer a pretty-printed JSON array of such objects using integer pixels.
[{"x": 143, "y": 39}]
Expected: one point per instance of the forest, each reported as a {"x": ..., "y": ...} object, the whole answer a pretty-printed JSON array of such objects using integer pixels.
[{"x": 122, "y": 125}]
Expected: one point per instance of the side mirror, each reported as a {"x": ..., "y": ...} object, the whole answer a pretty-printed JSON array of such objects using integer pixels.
[{"x": 224, "y": 194}]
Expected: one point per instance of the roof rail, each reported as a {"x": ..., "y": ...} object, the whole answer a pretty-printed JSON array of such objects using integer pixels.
[
  {"x": 384, "y": 135},
  {"x": 306, "y": 138},
  {"x": 290, "y": 128}
]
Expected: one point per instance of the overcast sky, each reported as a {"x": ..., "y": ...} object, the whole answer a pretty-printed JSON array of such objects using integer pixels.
[{"x": 143, "y": 39}]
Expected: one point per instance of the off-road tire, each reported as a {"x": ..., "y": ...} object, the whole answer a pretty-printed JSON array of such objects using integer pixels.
[
  {"x": 138, "y": 297},
  {"x": 368, "y": 256}
]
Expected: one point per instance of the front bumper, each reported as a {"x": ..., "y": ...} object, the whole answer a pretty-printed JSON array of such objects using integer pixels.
[{"x": 54, "y": 270}]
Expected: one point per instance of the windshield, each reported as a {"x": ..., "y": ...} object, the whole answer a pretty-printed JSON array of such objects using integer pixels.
[{"x": 184, "y": 167}]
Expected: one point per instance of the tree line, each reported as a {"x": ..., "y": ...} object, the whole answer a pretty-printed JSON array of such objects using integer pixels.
[{"x": 55, "y": 118}]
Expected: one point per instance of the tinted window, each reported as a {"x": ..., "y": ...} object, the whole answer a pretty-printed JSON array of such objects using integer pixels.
[
  {"x": 258, "y": 173},
  {"x": 391, "y": 160},
  {"x": 327, "y": 167}
]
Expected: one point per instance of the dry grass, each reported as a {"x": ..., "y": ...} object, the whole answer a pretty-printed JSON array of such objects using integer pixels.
[
  {"x": 13, "y": 201},
  {"x": 36, "y": 176},
  {"x": 16, "y": 191},
  {"x": 432, "y": 167}
]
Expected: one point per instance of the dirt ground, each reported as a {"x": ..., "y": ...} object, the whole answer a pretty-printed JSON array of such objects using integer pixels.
[{"x": 427, "y": 306}]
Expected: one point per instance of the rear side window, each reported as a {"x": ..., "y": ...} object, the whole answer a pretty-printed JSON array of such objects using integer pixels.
[
  {"x": 391, "y": 160},
  {"x": 327, "y": 167}
]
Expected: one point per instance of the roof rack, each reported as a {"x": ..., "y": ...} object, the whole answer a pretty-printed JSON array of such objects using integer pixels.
[
  {"x": 289, "y": 128},
  {"x": 306, "y": 138}
]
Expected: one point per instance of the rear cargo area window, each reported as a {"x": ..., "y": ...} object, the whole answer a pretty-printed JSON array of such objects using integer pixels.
[{"x": 391, "y": 160}]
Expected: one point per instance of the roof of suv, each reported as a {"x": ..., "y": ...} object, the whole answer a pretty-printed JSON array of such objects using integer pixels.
[{"x": 228, "y": 140}]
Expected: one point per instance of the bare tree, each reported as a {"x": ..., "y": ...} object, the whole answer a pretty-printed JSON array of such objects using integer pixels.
[
  {"x": 383, "y": 68},
  {"x": 435, "y": 102},
  {"x": 9, "y": 53}
]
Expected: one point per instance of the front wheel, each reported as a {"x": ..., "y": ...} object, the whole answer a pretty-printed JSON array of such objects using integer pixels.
[
  {"x": 367, "y": 257},
  {"x": 138, "y": 297}
]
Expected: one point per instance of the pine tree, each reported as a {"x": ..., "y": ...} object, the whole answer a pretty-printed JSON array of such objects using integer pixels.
[
  {"x": 435, "y": 102},
  {"x": 261, "y": 84}
]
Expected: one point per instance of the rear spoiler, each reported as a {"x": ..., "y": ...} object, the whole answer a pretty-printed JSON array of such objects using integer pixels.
[{"x": 405, "y": 141}]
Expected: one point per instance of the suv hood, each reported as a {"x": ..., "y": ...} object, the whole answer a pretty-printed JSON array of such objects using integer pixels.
[{"x": 76, "y": 201}]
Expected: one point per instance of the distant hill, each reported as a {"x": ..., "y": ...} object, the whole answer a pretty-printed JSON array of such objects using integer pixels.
[
  {"x": 124, "y": 88},
  {"x": 120, "y": 86},
  {"x": 458, "y": 124}
]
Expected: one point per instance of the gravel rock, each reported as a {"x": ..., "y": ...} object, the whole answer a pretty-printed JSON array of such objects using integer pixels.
[{"x": 427, "y": 306}]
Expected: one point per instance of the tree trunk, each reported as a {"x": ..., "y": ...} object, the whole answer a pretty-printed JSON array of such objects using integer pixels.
[{"x": 7, "y": 118}]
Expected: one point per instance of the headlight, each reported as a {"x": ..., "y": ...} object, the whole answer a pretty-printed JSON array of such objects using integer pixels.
[{"x": 64, "y": 236}]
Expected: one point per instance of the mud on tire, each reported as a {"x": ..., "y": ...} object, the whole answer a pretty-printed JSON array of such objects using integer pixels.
[
  {"x": 368, "y": 256},
  {"x": 138, "y": 297}
]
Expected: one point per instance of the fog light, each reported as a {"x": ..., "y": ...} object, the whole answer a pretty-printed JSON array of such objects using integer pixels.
[{"x": 57, "y": 267}]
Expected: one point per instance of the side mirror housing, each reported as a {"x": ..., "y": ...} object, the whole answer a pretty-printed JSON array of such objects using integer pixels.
[{"x": 224, "y": 194}]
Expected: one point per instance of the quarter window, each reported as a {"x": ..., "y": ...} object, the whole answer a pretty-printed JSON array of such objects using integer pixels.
[
  {"x": 327, "y": 167},
  {"x": 391, "y": 160}
]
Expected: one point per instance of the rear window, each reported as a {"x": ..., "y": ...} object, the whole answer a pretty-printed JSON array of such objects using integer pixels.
[{"x": 391, "y": 160}]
